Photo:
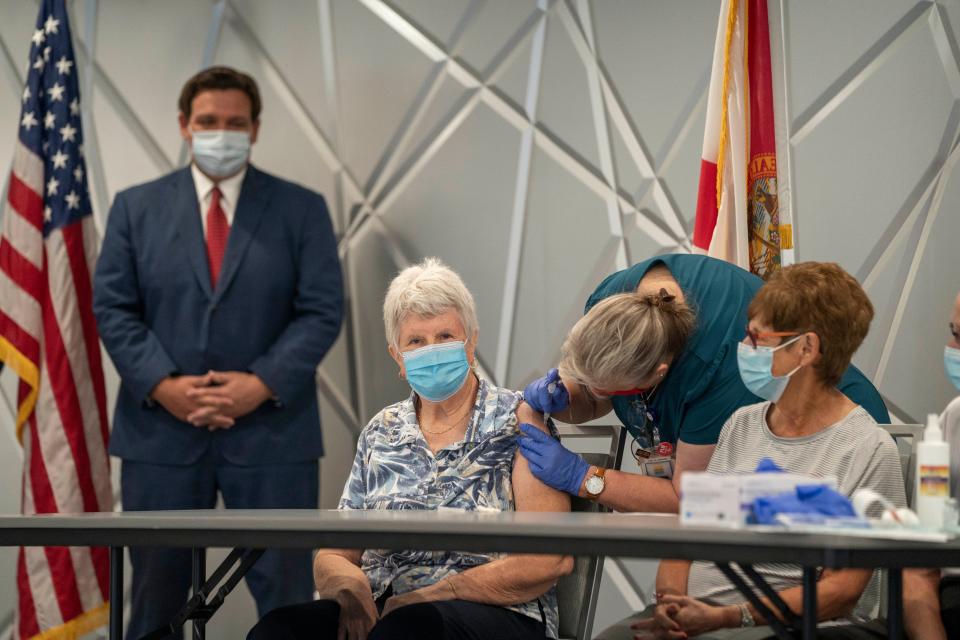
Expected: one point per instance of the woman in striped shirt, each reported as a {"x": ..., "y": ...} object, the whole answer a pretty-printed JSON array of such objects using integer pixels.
[{"x": 804, "y": 326}]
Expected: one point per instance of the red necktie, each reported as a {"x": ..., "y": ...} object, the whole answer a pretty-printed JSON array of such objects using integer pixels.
[{"x": 217, "y": 232}]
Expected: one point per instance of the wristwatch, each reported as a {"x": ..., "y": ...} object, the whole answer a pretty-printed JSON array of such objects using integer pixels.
[
  {"x": 595, "y": 483},
  {"x": 746, "y": 618}
]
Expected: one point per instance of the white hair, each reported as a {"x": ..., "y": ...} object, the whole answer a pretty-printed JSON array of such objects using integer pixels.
[{"x": 427, "y": 290}]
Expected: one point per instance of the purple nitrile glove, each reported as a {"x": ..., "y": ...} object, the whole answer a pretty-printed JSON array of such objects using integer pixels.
[
  {"x": 551, "y": 462},
  {"x": 538, "y": 395}
]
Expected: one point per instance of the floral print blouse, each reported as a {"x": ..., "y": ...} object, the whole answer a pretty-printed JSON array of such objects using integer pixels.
[{"x": 395, "y": 469}]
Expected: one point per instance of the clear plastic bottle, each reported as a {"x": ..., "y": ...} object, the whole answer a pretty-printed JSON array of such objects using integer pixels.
[{"x": 933, "y": 474}]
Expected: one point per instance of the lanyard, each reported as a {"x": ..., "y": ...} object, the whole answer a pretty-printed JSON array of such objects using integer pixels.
[{"x": 646, "y": 442}]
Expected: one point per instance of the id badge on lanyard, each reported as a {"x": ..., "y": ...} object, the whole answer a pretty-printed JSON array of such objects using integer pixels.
[
  {"x": 658, "y": 466},
  {"x": 654, "y": 457}
]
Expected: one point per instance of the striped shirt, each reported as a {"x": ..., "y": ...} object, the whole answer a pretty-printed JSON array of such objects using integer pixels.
[{"x": 855, "y": 451}]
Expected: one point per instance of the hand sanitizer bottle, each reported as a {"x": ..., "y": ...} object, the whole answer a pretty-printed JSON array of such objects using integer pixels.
[{"x": 933, "y": 474}]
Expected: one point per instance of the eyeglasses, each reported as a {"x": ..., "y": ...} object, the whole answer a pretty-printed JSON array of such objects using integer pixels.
[
  {"x": 756, "y": 336},
  {"x": 954, "y": 331}
]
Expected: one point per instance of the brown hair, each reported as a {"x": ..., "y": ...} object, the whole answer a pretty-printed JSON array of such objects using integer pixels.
[
  {"x": 624, "y": 338},
  {"x": 822, "y": 298},
  {"x": 219, "y": 78}
]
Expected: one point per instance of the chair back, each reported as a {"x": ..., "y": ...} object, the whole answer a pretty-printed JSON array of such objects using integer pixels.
[
  {"x": 900, "y": 433},
  {"x": 907, "y": 437},
  {"x": 577, "y": 592}
]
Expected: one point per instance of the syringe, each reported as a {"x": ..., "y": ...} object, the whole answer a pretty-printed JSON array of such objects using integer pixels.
[{"x": 550, "y": 389}]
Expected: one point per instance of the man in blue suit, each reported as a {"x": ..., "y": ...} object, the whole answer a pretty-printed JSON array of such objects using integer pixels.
[{"x": 217, "y": 293}]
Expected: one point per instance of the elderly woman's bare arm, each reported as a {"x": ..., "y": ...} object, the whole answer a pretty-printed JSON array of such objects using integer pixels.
[
  {"x": 838, "y": 591},
  {"x": 921, "y": 604},
  {"x": 338, "y": 577},
  {"x": 332, "y": 568},
  {"x": 519, "y": 578},
  {"x": 512, "y": 579}
]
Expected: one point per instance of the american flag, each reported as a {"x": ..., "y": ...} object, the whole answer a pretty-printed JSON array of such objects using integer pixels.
[{"x": 48, "y": 337}]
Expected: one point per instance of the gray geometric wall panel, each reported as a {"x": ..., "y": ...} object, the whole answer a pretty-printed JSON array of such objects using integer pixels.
[{"x": 537, "y": 145}]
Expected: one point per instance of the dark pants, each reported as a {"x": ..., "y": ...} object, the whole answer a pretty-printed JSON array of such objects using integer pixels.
[
  {"x": 950, "y": 605},
  {"x": 161, "y": 577},
  {"x": 445, "y": 620}
]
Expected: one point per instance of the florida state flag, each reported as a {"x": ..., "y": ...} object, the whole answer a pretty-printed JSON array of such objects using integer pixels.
[{"x": 738, "y": 216}]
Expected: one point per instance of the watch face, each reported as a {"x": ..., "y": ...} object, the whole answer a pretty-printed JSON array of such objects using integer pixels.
[{"x": 594, "y": 485}]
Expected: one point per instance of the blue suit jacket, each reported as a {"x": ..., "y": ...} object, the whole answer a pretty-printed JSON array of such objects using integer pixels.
[{"x": 276, "y": 310}]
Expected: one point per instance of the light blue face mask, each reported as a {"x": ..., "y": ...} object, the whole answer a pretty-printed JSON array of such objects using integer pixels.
[
  {"x": 437, "y": 371},
  {"x": 951, "y": 363},
  {"x": 756, "y": 370},
  {"x": 220, "y": 153}
]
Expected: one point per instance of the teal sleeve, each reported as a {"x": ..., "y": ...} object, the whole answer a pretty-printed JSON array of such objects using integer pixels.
[
  {"x": 705, "y": 417},
  {"x": 603, "y": 290},
  {"x": 619, "y": 282},
  {"x": 859, "y": 389}
]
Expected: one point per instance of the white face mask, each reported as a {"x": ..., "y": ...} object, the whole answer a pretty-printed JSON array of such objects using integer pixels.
[{"x": 220, "y": 153}]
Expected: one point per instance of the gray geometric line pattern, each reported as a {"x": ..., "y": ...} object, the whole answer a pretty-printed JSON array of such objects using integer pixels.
[
  {"x": 946, "y": 47},
  {"x": 858, "y": 73},
  {"x": 930, "y": 217},
  {"x": 639, "y": 153},
  {"x": 632, "y": 586},
  {"x": 430, "y": 46},
  {"x": 286, "y": 92},
  {"x": 902, "y": 222},
  {"x": 128, "y": 115},
  {"x": 948, "y": 30},
  {"x": 100, "y": 195},
  {"x": 209, "y": 54},
  {"x": 392, "y": 187},
  {"x": 386, "y": 166},
  {"x": 922, "y": 205},
  {"x": 691, "y": 116},
  {"x": 601, "y": 132},
  {"x": 14, "y": 76},
  {"x": 521, "y": 190}
]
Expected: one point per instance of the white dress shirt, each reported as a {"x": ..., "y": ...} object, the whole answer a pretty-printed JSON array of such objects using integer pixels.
[{"x": 229, "y": 194}]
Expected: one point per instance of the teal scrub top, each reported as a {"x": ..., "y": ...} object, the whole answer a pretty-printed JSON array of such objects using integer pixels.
[{"x": 703, "y": 388}]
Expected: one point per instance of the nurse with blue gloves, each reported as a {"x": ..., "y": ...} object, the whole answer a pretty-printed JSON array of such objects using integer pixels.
[{"x": 658, "y": 345}]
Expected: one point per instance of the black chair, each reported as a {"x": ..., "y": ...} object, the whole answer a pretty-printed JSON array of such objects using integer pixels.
[{"x": 577, "y": 592}]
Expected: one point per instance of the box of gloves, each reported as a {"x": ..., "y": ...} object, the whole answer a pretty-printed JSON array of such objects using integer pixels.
[{"x": 726, "y": 500}]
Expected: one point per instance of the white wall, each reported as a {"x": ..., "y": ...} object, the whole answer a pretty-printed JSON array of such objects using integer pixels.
[{"x": 477, "y": 131}]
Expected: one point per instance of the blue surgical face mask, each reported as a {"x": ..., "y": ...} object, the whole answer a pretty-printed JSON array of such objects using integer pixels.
[
  {"x": 756, "y": 370},
  {"x": 220, "y": 153},
  {"x": 437, "y": 371},
  {"x": 951, "y": 363}
]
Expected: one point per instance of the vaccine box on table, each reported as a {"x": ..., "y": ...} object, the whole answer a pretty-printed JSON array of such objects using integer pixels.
[{"x": 727, "y": 500}]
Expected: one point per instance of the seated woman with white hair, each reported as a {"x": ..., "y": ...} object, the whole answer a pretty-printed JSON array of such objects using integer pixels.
[{"x": 451, "y": 443}]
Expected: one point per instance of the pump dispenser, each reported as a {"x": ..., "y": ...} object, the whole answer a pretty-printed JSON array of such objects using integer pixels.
[{"x": 933, "y": 474}]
